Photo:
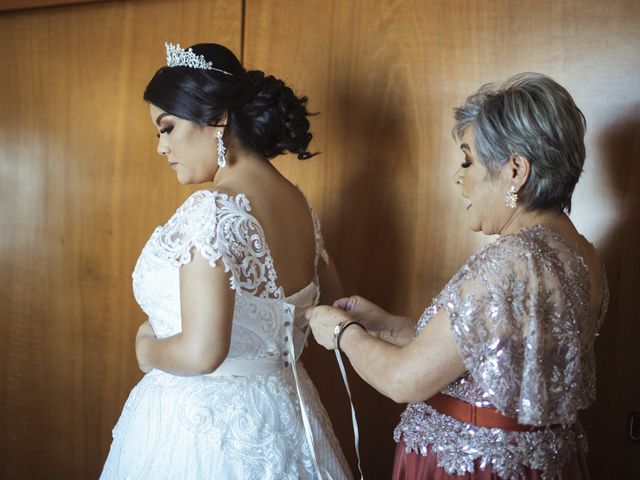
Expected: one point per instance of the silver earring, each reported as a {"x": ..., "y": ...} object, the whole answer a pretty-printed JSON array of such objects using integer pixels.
[
  {"x": 222, "y": 159},
  {"x": 511, "y": 198}
]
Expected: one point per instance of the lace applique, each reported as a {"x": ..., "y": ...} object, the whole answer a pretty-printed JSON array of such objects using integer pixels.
[
  {"x": 458, "y": 445},
  {"x": 260, "y": 337},
  {"x": 228, "y": 426},
  {"x": 220, "y": 227},
  {"x": 464, "y": 388},
  {"x": 231, "y": 427},
  {"x": 522, "y": 326},
  {"x": 321, "y": 252}
]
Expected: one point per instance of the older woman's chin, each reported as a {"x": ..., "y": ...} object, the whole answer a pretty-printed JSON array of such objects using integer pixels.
[
  {"x": 481, "y": 228},
  {"x": 488, "y": 226},
  {"x": 473, "y": 224}
]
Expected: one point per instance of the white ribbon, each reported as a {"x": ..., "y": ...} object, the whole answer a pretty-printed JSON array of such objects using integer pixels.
[
  {"x": 354, "y": 421},
  {"x": 303, "y": 411},
  {"x": 321, "y": 473}
]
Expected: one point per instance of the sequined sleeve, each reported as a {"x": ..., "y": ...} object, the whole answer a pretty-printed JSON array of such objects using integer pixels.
[{"x": 513, "y": 310}]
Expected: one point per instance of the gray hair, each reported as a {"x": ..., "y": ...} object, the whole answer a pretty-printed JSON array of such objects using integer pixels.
[{"x": 533, "y": 116}]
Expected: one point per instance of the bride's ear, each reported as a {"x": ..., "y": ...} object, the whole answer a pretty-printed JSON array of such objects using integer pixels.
[{"x": 222, "y": 122}]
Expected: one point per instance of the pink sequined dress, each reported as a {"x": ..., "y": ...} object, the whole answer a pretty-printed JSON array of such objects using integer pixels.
[{"x": 519, "y": 313}]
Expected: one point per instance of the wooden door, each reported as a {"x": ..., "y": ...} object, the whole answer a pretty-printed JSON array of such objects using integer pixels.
[
  {"x": 384, "y": 76},
  {"x": 81, "y": 190}
]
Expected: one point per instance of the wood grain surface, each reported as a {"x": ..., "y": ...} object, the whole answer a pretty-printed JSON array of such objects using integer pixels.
[
  {"x": 81, "y": 190},
  {"x": 25, "y": 4},
  {"x": 81, "y": 187},
  {"x": 385, "y": 76}
]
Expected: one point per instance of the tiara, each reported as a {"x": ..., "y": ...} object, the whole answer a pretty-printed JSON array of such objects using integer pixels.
[{"x": 179, "y": 57}]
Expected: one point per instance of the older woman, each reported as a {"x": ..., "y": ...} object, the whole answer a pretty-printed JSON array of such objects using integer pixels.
[{"x": 500, "y": 363}]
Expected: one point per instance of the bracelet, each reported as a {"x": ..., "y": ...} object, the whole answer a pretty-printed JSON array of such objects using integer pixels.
[{"x": 339, "y": 330}]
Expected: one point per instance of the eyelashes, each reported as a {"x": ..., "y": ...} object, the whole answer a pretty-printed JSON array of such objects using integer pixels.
[
  {"x": 166, "y": 129},
  {"x": 465, "y": 164}
]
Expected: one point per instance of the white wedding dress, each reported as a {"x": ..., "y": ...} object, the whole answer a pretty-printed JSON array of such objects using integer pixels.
[{"x": 244, "y": 420}]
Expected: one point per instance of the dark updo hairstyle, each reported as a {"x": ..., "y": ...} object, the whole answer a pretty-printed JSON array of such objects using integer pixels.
[{"x": 262, "y": 112}]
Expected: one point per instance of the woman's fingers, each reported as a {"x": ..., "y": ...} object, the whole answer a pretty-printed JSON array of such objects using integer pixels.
[
  {"x": 314, "y": 313},
  {"x": 347, "y": 303},
  {"x": 323, "y": 320}
]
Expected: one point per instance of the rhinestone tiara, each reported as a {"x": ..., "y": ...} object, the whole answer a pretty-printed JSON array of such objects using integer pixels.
[{"x": 179, "y": 57}]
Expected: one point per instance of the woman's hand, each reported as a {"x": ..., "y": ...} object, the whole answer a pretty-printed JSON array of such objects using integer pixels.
[
  {"x": 378, "y": 322},
  {"x": 323, "y": 321},
  {"x": 374, "y": 318},
  {"x": 143, "y": 337}
]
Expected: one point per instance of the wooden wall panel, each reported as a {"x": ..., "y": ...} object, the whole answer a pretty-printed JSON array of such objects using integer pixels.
[
  {"x": 24, "y": 4},
  {"x": 384, "y": 76},
  {"x": 81, "y": 189}
]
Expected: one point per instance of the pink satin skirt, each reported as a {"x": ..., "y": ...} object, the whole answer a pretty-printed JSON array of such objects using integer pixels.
[{"x": 413, "y": 466}]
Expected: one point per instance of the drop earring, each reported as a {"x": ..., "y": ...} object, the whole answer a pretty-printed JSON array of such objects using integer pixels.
[
  {"x": 511, "y": 198},
  {"x": 222, "y": 158}
]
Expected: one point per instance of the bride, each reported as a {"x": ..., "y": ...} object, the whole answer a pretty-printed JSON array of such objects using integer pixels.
[{"x": 225, "y": 283}]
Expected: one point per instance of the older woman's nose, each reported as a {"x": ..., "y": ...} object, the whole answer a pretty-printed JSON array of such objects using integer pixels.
[{"x": 457, "y": 176}]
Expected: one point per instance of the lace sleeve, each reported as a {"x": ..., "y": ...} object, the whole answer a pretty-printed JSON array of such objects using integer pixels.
[
  {"x": 513, "y": 309},
  {"x": 220, "y": 227},
  {"x": 195, "y": 225},
  {"x": 321, "y": 252}
]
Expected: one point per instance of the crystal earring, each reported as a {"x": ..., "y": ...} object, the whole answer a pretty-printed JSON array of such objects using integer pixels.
[
  {"x": 511, "y": 198},
  {"x": 222, "y": 159}
]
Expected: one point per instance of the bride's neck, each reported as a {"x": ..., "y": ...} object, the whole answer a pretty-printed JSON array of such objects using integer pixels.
[{"x": 241, "y": 164}]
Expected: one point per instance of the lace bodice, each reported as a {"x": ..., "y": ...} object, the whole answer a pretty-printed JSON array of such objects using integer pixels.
[
  {"x": 223, "y": 230},
  {"x": 258, "y": 415},
  {"x": 519, "y": 312}
]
